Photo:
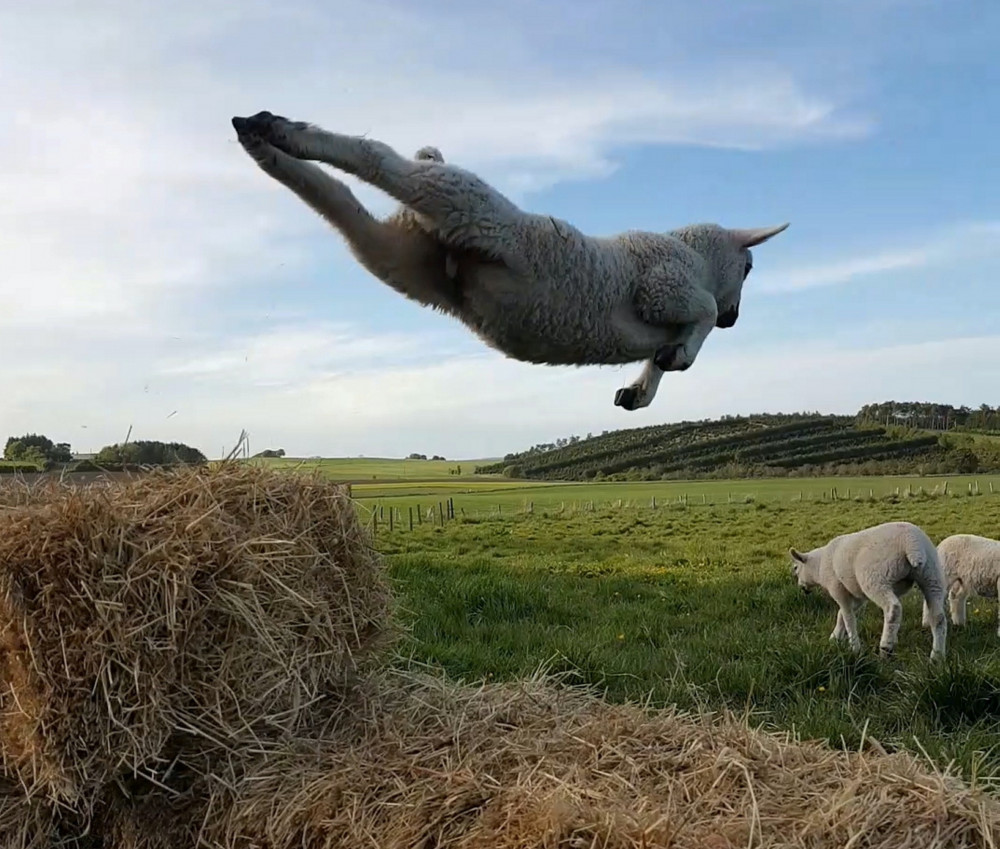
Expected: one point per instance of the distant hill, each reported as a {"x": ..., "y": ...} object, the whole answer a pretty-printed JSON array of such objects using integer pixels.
[{"x": 760, "y": 445}]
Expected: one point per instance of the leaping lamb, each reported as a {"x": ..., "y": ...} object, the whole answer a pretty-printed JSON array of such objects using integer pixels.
[
  {"x": 530, "y": 286},
  {"x": 971, "y": 566},
  {"x": 881, "y": 563}
]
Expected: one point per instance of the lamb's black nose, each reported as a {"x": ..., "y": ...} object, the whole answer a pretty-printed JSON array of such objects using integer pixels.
[
  {"x": 239, "y": 124},
  {"x": 728, "y": 318}
]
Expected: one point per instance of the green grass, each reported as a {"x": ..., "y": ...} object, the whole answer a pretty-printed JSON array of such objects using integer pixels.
[
  {"x": 483, "y": 497},
  {"x": 696, "y": 605},
  {"x": 380, "y": 468}
]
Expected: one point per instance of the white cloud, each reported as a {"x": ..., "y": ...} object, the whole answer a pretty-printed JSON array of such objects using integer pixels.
[
  {"x": 326, "y": 389},
  {"x": 963, "y": 243},
  {"x": 130, "y": 214}
]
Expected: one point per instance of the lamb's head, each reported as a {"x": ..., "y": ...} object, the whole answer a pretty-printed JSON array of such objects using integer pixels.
[
  {"x": 729, "y": 259},
  {"x": 805, "y": 568}
]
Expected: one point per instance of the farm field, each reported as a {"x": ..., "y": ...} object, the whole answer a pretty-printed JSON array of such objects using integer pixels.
[
  {"x": 695, "y": 604},
  {"x": 484, "y": 497},
  {"x": 382, "y": 469}
]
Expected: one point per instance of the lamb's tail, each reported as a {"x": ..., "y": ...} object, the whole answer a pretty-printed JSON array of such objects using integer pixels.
[
  {"x": 927, "y": 572},
  {"x": 929, "y": 577}
]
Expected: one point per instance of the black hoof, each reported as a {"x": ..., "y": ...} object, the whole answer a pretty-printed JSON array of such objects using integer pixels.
[
  {"x": 886, "y": 652},
  {"x": 626, "y": 397},
  {"x": 260, "y": 124},
  {"x": 665, "y": 358}
]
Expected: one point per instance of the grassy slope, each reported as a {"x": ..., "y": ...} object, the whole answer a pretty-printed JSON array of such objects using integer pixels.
[
  {"x": 696, "y": 605},
  {"x": 757, "y": 441}
]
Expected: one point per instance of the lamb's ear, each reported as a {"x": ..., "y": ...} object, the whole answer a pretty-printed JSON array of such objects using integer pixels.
[
  {"x": 797, "y": 555},
  {"x": 750, "y": 238}
]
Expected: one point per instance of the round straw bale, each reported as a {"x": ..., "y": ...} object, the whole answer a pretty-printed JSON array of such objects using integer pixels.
[
  {"x": 25, "y": 823},
  {"x": 521, "y": 766},
  {"x": 185, "y": 614}
]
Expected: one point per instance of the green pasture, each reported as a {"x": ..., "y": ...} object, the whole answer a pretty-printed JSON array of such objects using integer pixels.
[
  {"x": 694, "y": 604},
  {"x": 499, "y": 495},
  {"x": 379, "y": 468}
]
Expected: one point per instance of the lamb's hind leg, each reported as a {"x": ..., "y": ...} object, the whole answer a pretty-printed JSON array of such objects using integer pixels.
[
  {"x": 892, "y": 617},
  {"x": 405, "y": 258},
  {"x": 457, "y": 206}
]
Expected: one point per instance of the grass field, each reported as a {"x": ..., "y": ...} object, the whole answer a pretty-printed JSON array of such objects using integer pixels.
[
  {"x": 382, "y": 469},
  {"x": 695, "y": 604},
  {"x": 484, "y": 497}
]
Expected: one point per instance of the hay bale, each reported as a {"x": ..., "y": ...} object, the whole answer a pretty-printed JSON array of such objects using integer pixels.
[
  {"x": 24, "y": 823},
  {"x": 182, "y": 617},
  {"x": 432, "y": 764}
]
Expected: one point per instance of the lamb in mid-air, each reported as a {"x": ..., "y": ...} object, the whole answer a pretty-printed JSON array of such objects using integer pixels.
[
  {"x": 971, "y": 566},
  {"x": 881, "y": 563},
  {"x": 531, "y": 286}
]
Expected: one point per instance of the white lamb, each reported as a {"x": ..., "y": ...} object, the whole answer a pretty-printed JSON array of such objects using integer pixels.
[
  {"x": 531, "y": 286},
  {"x": 881, "y": 563},
  {"x": 971, "y": 566}
]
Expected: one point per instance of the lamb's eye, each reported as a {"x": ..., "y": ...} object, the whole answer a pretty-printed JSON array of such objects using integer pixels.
[{"x": 746, "y": 270}]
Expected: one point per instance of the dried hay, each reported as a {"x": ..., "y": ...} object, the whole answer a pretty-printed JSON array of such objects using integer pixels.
[
  {"x": 531, "y": 766},
  {"x": 182, "y": 617}
]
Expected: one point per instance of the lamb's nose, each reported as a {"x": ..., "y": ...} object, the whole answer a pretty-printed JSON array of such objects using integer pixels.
[{"x": 239, "y": 124}]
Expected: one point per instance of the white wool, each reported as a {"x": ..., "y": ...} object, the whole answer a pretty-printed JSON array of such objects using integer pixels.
[
  {"x": 971, "y": 566},
  {"x": 531, "y": 286},
  {"x": 881, "y": 563}
]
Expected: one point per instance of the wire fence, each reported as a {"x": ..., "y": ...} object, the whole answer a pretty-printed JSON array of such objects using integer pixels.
[{"x": 393, "y": 517}]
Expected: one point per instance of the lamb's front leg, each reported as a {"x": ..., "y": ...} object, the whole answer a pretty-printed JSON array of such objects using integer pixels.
[
  {"x": 847, "y": 618},
  {"x": 642, "y": 392},
  {"x": 668, "y": 299},
  {"x": 840, "y": 629}
]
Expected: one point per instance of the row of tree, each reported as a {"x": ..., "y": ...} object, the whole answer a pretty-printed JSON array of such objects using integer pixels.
[
  {"x": 921, "y": 414},
  {"x": 34, "y": 449}
]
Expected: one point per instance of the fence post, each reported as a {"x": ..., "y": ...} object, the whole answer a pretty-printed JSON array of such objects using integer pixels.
[
  {"x": 391, "y": 511},
  {"x": 411, "y": 518},
  {"x": 420, "y": 515}
]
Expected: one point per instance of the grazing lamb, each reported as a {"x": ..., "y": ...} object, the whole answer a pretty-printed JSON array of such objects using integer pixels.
[
  {"x": 971, "y": 566},
  {"x": 531, "y": 286},
  {"x": 880, "y": 563}
]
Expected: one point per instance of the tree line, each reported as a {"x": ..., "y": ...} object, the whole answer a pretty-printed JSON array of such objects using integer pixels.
[{"x": 37, "y": 452}]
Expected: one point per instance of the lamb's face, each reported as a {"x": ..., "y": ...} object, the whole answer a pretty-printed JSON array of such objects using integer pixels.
[
  {"x": 802, "y": 570},
  {"x": 736, "y": 268},
  {"x": 729, "y": 261}
]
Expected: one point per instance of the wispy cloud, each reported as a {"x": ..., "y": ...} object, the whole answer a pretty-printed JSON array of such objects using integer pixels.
[
  {"x": 138, "y": 238},
  {"x": 964, "y": 243},
  {"x": 474, "y": 404}
]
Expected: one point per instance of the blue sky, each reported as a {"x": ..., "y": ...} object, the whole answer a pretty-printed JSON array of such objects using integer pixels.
[{"x": 155, "y": 278}]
